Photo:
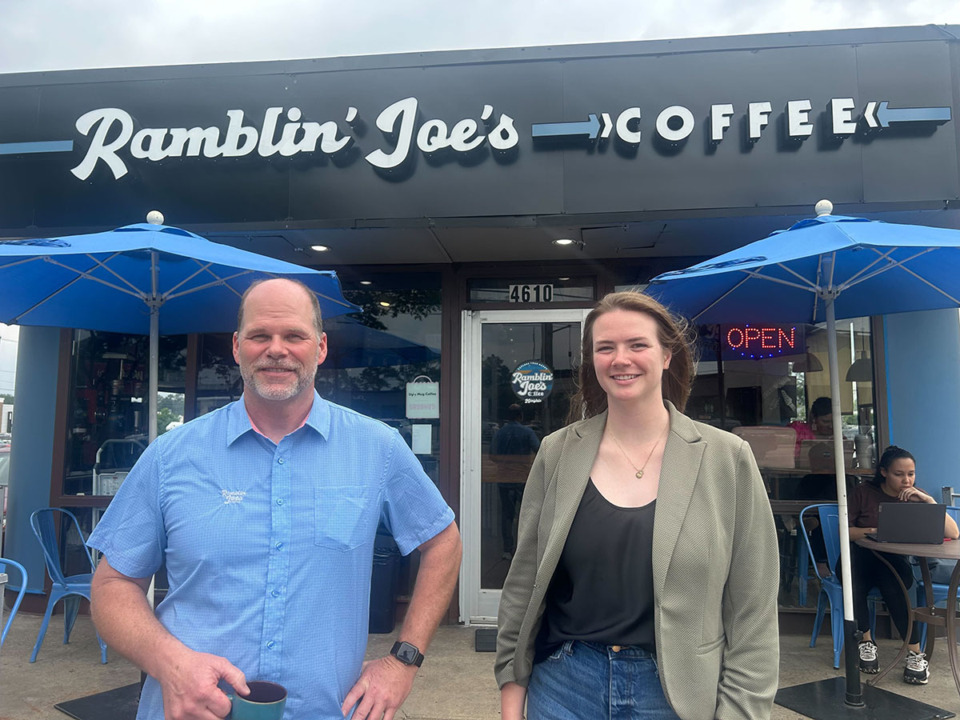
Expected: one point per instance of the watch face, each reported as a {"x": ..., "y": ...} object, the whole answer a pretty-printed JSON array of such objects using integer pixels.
[{"x": 407, "y": 653}]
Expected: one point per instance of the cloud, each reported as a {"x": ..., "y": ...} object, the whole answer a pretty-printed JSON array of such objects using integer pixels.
[{"x": 57, "y": 34}]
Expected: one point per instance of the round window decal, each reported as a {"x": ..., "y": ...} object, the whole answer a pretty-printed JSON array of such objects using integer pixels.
[{"x": 532, "y": 382}]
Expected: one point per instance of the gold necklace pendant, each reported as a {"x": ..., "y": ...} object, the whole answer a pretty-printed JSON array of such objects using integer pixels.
[{"x": 639, "y": 470}]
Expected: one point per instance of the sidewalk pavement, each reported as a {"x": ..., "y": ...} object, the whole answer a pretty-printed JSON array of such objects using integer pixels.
[{"x": 455, "y": 682}]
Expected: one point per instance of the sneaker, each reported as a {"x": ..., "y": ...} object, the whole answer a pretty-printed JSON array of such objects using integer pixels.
[
  {"x": 917, "y": 671},
  {"x": 868, "y": 657}
]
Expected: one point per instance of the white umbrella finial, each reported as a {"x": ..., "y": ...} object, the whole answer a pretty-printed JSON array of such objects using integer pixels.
[
  {"x": 155, "y": 217},
  {"x": 824, "y": 207}
]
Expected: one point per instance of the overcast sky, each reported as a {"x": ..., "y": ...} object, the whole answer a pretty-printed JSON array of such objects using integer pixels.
[{"x": 63, "y": 34}]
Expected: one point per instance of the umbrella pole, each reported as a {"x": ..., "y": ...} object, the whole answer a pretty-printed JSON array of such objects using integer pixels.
[{"x": 851, "y": 638}]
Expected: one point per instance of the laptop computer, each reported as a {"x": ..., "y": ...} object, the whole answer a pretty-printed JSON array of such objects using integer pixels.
[
  {"x": 910, "y": 522},
  {"x": 817, "y": 456}
]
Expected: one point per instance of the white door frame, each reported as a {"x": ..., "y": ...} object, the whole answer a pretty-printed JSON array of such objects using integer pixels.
[{"x": 479, "y": 606}]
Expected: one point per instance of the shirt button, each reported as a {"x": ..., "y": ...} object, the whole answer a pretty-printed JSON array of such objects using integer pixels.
[
  {"x": 279, "y": 501},
  {"x": 280, "y": 460},
  {"x": 275, "y": 593},
  {"x": 279, "y": 545},
  {"x": 271, "y": 644}
]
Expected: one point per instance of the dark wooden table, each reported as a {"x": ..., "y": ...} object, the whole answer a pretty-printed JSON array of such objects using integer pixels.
[{"x": 933, "y": 616}]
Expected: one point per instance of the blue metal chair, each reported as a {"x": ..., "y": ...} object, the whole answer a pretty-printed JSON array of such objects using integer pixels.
[
  {"x": 5, "y": 566},
  {"x": 831, "y": 591},
  {"x": 69, "y": 588}
]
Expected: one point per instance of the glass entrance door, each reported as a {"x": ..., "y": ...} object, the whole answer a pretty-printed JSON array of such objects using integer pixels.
[{"x": 518, "y": 376}]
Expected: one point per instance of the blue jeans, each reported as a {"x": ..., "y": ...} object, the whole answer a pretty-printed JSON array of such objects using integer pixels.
[{"x": 588, "y": 681}]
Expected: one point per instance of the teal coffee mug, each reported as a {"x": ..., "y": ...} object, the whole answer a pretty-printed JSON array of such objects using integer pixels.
[{"x": 265, "y": 702}]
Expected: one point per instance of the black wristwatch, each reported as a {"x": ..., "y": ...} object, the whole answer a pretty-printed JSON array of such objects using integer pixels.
[{"x": 407, "y": 653}]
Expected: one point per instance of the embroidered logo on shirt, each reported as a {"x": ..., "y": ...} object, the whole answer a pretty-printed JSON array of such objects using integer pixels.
[{"x": 231, "y": 497}]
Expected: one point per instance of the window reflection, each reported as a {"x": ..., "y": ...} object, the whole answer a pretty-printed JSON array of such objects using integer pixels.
[
  {"x": 771, "y": 385},
  {"x": 107, "y": 422}
]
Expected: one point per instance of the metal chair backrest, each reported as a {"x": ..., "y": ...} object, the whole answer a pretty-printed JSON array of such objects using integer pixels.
[
  {"x": 44, "y": 523},
  {"x": 829, "y": 516},
  {"x": 5, "y": 566}
]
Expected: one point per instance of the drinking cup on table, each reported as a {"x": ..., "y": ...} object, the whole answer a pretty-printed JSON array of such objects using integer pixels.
[{"x": 265, "y": 702}]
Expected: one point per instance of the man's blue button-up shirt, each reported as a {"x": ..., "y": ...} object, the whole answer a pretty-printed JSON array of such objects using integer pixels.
[{"x": 269, "y": 547}]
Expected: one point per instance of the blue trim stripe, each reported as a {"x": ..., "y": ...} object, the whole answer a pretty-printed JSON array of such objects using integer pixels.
[{"x": 36, "y": 147}]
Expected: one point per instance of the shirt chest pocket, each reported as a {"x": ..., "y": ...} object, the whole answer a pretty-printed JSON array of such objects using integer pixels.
[{"x": 344, "y": 517}]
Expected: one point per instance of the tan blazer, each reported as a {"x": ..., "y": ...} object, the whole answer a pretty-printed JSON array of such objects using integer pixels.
[{"x": 715, "y": 567}]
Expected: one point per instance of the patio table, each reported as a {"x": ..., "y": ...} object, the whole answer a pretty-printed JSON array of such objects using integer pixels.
[{"x": 934, "y": 617}]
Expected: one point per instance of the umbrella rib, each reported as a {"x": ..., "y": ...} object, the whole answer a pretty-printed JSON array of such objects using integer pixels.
[
  {"x": 931, "y": 285},
  {"x": 732, "y": 289},
  {"x": 206, "y": 267},
  {"x": 85, "y": 275},
  {"x": 871, "y": 271},
  {"x": 223, "y": 281},
  {"x": 219, "y": 281},
  {"x": 134, "y": 290},
  {"x": 803, "y": 285},
  {"x": 16, "y": 319}
]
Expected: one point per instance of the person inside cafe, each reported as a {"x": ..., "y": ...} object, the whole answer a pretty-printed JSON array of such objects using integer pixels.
[
  {"x": 894, "y": 481},
  {"x": 265, "y": 512},
  {"x": 646, "y": 574},
  {"x": 512, "y": 448},
  {"x": 821, "y": 482}
]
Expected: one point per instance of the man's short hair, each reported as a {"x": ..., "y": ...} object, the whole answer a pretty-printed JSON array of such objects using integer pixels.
[{"x": 314, "y": 303}]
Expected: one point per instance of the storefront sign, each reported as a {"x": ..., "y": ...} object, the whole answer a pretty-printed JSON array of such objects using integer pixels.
[
  {"x": 115, "y": 140},
  {"x": 532, "y": 382},
  {"x": 423, "y": 398},
  {"x": 749, "y": 341}
]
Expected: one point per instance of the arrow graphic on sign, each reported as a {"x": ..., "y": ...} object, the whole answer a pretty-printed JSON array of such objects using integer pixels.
[
  {"x": 592, "y": 128},
  {"x": 22, "y": 148},
  {"x": 881, "y": 115}
]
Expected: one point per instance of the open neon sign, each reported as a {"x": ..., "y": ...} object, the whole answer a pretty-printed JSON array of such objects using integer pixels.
[{"x": 762, "y": 341}]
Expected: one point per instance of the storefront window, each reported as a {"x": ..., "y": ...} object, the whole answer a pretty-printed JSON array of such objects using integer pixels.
[
  {"x": 107, "y": 421},
  {"x": 770, "y": 384},
  {"x": 376, "y": 358}
]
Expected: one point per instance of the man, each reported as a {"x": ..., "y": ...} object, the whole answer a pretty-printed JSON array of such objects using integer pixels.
[{"x": 265, "y": 513}]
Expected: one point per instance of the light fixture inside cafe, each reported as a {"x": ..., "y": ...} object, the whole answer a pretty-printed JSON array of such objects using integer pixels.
[
  {"x": 861, "y": 370},
  {"x": 808, "y": 363},
  {"x": 384, "y": 303},
  {"x": 366, "y": 282},
  {"x": 319, "y": 248}
]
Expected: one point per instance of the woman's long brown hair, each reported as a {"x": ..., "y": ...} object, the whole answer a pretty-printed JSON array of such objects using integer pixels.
[{"x": 675, "y": 335}]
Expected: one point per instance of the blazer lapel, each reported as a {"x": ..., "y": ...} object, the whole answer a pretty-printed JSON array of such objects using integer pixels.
[{"x": 682, "y": 456}]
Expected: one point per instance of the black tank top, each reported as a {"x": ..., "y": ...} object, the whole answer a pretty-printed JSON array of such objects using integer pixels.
[{"x": 602, "y": 590}]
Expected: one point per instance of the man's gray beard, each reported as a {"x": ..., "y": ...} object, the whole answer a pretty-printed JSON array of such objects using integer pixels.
[{"x": 251, "y": 383}]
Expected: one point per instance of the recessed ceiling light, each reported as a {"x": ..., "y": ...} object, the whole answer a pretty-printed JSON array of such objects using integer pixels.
[
  {"x": 366, "y": 282},
  {"x": 563, "y": 241},
  {"x": 319, "y": 248},
  {"x": 563, "y": 278},
  {"x": 384, "y": 303}
]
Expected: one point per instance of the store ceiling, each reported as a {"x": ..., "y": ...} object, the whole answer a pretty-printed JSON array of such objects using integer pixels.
[{"x": 527, "y": 239}]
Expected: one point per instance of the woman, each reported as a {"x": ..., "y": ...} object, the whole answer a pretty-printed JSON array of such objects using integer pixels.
[
  {"x": 647, "y": 557},
  {"x": 894, "y": 481}
]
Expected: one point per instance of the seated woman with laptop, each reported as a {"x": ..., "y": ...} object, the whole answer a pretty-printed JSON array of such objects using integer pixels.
[{"x": 894, "y": 482}]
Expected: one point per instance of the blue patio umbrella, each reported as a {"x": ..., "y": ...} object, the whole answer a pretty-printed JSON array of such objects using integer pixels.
[
  {"x": 820, "y": 269},
  {"x": 147, "y": 279}
]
